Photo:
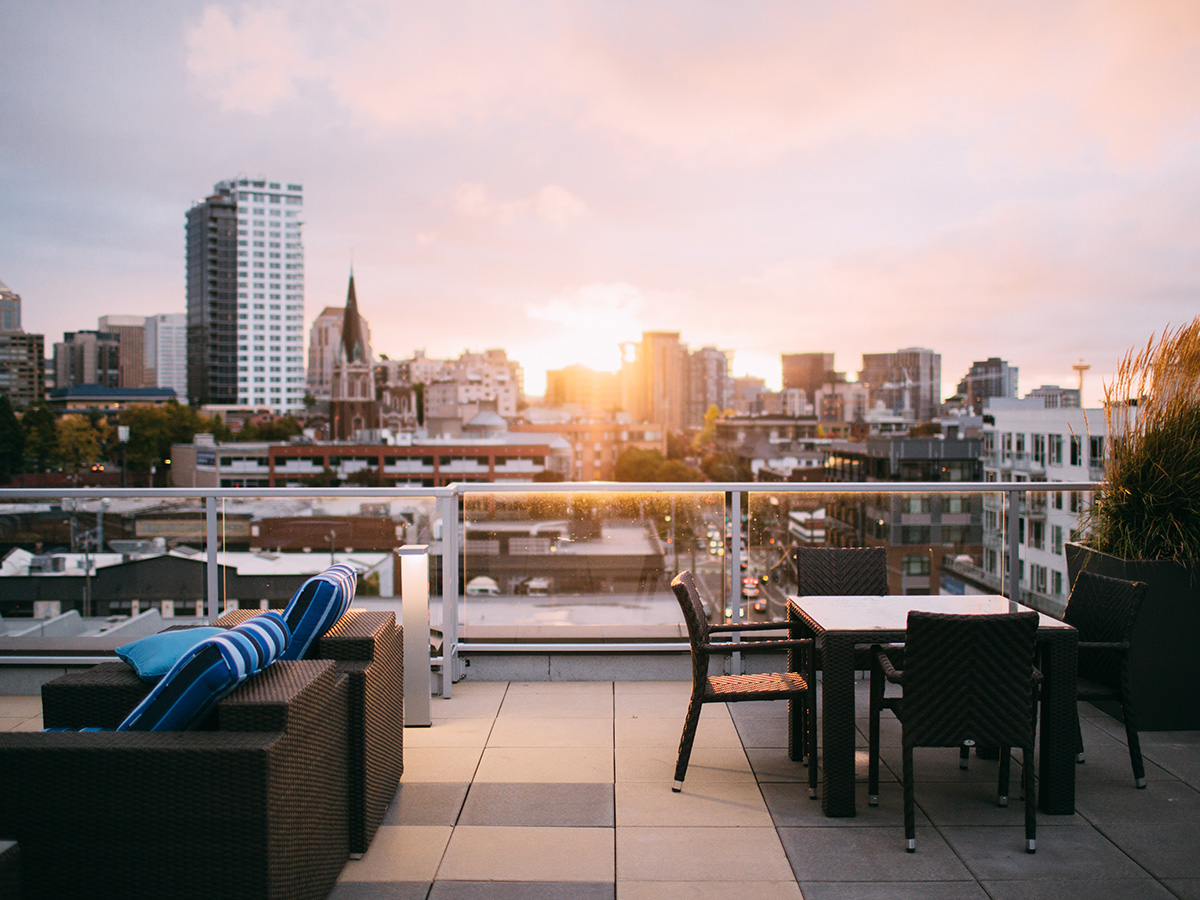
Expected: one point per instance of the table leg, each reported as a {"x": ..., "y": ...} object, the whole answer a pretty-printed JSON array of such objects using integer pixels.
[
  {"x": 1056, "y": 754},
  {"x": 837, "y": 725}
]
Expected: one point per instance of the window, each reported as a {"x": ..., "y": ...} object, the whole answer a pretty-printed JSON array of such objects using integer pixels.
[
  {"x": 1056, "y": 582},
  {"x": 1039, "y": 578},
  {"x": 1096, "y": 450},
  {"x": 1037, "y": 534},
  {"x": 916, "y": 565},
  {"x": 1021, "y": 530},
  {"x": 1076, "y": 450},
  {"x": 1055, "y": 448},
  {"x": 1039, "y": 449},
  {"x": 1056, "y": 539}
]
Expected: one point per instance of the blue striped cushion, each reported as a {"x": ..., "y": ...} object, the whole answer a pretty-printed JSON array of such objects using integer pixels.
[
  {"x": 317, "y": 606},
  {"x": 207, "y": 673}
]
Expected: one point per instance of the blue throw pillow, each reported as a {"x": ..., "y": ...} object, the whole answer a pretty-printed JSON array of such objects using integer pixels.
[
  {"x": 207, "y": 673},
  {"x": 152, "y": 657},
  {"x": 317, "y": 606}
]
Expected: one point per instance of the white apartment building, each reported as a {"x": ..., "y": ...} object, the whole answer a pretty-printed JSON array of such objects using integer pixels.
[
  {"x": 259, "y": 272},
  {"x": 1026, "y": 441},
  {"x": 165, "y": 353}
]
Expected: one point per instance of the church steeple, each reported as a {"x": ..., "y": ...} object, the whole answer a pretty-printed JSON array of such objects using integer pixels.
[{"x": 354, "y": 343}]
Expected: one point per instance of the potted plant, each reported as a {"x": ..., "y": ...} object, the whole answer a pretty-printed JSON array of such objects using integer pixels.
[{"x": 1144, "y": 523}]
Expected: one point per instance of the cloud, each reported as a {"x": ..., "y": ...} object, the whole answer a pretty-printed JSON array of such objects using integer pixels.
[
  {"x": 552, "y": 204},
  {"x": 709, "y": 87},
  {"x": 250, "y": 64}
]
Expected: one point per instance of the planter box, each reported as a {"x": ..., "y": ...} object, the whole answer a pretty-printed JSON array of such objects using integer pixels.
[{"x": 1166, "y": 689}]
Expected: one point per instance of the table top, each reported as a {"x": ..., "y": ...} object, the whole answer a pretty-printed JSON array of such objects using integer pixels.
[{"x": 890, "y": 613}]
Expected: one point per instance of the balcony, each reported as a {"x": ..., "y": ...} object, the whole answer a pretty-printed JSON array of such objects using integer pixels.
[{"x": 563, "y": 789}]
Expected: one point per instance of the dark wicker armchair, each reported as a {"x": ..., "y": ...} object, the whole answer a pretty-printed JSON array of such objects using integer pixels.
[
  {"x": 1104, "y": 611},
  {"x": 732, "y": 688},
  {"x": 255, "y": 807},
  {"x": 965, "y": 678},
  {"x": 365, "y": 645}
]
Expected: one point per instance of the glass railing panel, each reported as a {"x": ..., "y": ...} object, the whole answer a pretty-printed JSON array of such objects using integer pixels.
[
  {"x": 269, "y": 545},
  {"x": 102, "y": 557},
  {"x": 595, "y": 558}
]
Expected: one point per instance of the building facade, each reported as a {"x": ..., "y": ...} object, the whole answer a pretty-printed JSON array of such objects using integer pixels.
[
  {"x": 352, "y": 403},
  {"x": 919, "y": 530},
  {"x": 166, "y": 353},
  {"x": 907, "y": 380},
  {"x": 422, "y": 463},
  {"x": 991, "y": 377},
  {"x": 131, "y": 335},
  {"x": 87, "y": 357},
  {"x": 22, "y": 356},
  {"x": 596, "y": 446},
  {"x": 578, "y": 386},
  {"x": 806, "y": 371},
  {"x": 708, "y": 385},
  {"x": 1029, "y": 441},
  {"x": 245, "y": 290}
]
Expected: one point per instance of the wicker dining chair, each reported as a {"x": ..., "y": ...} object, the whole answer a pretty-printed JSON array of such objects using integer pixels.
[
  {"x": 733, "y": 688},
  {"x": 1104, "y": 611},
  {"x": 831, "y": 571},
  {"x": 965, "y": 677}
]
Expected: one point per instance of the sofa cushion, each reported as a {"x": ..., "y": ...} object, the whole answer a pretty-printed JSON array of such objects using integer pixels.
[
  {"x": 317, "y": 606},
  {"x": 208, "y": 672},
  {"x": 153, "y": 656}
]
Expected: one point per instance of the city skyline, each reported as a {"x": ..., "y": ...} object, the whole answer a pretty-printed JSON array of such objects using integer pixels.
[{"x": 982, "y": 180}]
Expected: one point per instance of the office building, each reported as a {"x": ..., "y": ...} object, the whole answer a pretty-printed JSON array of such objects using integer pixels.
[
  {"x": 22, "y": 356},
  {"x": 654, "y": 379},
  {"x": 245, "y": 294},
  {"x": 165, "y": 353},
  {"x": 589, "y": 391},
  {"x": 87, "y": 357},
  {"x": 907, "y": 381},
  {"x": 806, "y": 371},
  {"x": 708, "y": 385},
  {"x": 1055, "y": 397},
  {"x": 992, "y": 377}
]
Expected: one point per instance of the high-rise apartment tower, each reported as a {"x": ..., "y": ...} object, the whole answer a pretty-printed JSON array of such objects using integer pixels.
[{"x": 245, "y": 295}]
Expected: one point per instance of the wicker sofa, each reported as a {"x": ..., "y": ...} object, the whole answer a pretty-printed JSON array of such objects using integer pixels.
[
  {"x": 253, "y": 807},
  {"x": 366, "y": 646}
]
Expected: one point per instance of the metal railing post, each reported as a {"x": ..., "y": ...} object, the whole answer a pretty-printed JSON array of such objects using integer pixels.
[
  {"x": 1012, "y": 506},
  {"x": 450, "y": 560},
  {"x": 212, "y": 568},
  {"x": 735, "y": 572}
]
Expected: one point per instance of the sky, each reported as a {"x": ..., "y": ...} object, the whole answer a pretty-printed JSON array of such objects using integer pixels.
[{"x": 1013, "y": 179}]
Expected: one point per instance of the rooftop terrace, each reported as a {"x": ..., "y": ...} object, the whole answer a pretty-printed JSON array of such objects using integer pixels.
[{"x": 563, "y": 790}]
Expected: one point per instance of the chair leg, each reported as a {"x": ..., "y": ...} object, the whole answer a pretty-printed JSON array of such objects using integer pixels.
[
  {"x": 1135, "y": 745},
  {"x": 910, "y": 815},
  {"x": 685, "y": 743},
  {"x": 964, "y": 754},
  {"x": 1030, "y": 800},
  {"x": 1005, "y": 770}
]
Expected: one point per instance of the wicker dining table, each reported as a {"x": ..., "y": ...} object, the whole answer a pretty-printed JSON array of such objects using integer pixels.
[{"x": 839, "y": 624}]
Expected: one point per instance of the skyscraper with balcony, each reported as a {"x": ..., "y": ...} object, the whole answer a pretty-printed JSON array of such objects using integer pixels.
[{"x": 245, "y": 295}]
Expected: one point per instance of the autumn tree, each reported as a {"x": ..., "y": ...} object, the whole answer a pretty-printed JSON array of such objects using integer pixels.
[{"x": 78, "y": 441}]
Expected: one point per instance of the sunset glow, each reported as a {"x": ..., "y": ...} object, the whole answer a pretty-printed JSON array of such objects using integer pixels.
[{"x": 978, "y": 178}]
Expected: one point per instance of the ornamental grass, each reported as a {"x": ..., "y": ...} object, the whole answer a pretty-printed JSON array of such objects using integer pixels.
[{"x": 1149, "y": 507}]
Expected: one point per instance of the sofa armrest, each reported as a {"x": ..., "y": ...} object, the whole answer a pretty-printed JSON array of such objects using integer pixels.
[{"x": 234, "y": 813}]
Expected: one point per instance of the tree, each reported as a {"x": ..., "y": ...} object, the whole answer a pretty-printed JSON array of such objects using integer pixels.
[
  {"x": 41, "y": 437},
  {"x": 153, "y": 429},
  {"x": 12, "y": 441},
  {"x": 273, "y": 430},
  {"x": 677, "y": 445},
  {"x": 78, "y": 441},
  {"x": 706, "y": 439},
  {"x": 636, "y": 464}
]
